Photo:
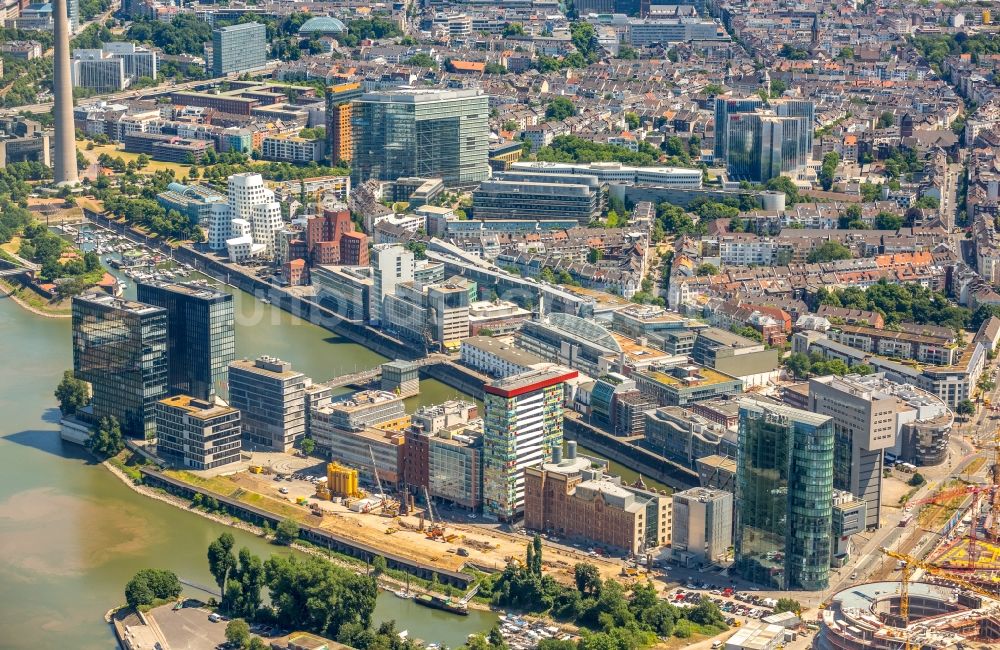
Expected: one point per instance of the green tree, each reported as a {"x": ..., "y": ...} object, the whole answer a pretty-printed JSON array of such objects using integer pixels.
[
  {"x": 106, "y": 440},
  {"x": 706, "y": 269},
  {"x": 631, "y": 121},
  {"x": 148, "y": 585},
  {"x": 379, "y": 566},
  {"x": 548, "y": 275},
  {"x": 886, "y": 119},
  {"x": 798, "y": 364},
  {"x": 966, "y": 408},
  {"x": 238, "y": 632},
  {"x": 221, "y": 560},
  {"x": 829, "y": 169},
  {"x": 72, "y": 393},
  {"x": 308, "y": 446},
  {"x": 829, "y": 252},
  {"x": 587, "y": 578},
  {"x": 917, "y": 480},
  {"x": 888, "y": 221},
  {"x": 559, "y": 108},
  {"x": 423, "y": 60},
  {"x": 138, "y": 593},
  {"x": 788, "y": 605},
  {"x": 536, "y": 568},
  {"x": 286, "y": 532},
  {"x": 595, "y": 255},
  {"x": 312, "y": 594}
]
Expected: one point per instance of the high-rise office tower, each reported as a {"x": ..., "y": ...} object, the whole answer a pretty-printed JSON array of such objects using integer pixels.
[
  {"x": 421, "y": 132},
  {"x": 784, "y": 496},
  {"x": 339, "y": 130},
  {"x": 864, "y": 425},
  {"x": 200, "y": 333},
  {"x": 272, "y": 399},
  {"x": 522, "y": 425},
  {"x": 759, "y": 141},
  {"x": 120, "y": 347},
  {"x": 238, "y": 47},
  {"x": 391, "y": 265},
  {"x": 65, "y": 171}
]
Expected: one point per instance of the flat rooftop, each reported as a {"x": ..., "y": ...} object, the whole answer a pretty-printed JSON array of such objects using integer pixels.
[
  {"x": 197, "y": 408},
  {"x": 529, "y": 381},
  {"x": 111, "y": 302},
  {"x": 503, "y": 348},
  {"x": 704, "y": 377},
  {"x": 364, "y": 399}
]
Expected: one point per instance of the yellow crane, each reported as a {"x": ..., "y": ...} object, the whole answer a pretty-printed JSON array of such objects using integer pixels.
[{"x": 910, "y": 563}]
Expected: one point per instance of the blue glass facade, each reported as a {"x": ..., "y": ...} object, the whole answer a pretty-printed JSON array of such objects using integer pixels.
[{"x": 784, "y": 497}]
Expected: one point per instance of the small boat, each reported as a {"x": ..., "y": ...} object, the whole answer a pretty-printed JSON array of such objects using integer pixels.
[
  {"x": 265, "y": 301},
  {"x": 402, "y": 594}
]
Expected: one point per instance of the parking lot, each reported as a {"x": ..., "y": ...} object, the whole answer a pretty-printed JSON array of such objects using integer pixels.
[{"x": 188, "y": 628}]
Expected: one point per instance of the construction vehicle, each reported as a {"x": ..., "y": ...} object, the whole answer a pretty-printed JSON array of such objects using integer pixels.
[
  {"x": 256, "y": 469},
  {"x": 436, "y": 531},
  {"x": 390, "y": 530}
]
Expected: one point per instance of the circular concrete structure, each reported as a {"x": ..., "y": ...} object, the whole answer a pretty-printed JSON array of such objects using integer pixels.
[{"x": 867, "y": 616}]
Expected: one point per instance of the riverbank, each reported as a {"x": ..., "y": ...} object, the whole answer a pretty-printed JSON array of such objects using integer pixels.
[
  {"x": 14, "y": 291},
  {"x": 386, "y": 582}
]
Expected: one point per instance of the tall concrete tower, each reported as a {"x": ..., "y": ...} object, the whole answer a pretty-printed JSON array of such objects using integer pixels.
[{"x": 65, "y": 158}]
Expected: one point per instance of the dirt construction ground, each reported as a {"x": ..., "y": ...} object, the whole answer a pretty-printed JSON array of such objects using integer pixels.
[{"x": 486, "y": 546}]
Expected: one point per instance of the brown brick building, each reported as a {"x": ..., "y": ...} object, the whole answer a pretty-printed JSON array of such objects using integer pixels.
[{"x": 570, "y": 498}]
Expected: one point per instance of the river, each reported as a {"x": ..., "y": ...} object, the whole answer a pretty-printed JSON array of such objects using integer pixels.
[{"x": 71, "y": 534}]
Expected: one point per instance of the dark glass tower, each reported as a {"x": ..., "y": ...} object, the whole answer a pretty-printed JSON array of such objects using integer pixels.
[
  {"x": 120, "y": 347},
  {"x": 784, "y": 496},
  {"x": 758, "y": 141},
  {"x": 200, "y": 334}
]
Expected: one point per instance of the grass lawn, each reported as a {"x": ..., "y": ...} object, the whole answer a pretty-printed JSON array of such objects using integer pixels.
[
  {"x": 35, "y": 300},
  {"x": 116, "y": 151},
  {"x": 12, "y": 246},
  {"x": 218, "y": 485}
]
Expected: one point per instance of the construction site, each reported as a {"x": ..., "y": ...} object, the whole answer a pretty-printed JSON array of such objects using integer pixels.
[
  {"x": 409, "y": 527},
  {"x": 950, "y": 598}
]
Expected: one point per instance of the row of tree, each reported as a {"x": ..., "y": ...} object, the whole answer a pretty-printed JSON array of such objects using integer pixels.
[
  {"x": 305, "y": 594},
  {"x": 610, "y": 615},
  {"x": 898, "y": 303}
]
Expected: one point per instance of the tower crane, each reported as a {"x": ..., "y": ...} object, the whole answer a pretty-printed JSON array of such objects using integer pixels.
[{"x": 909, "y": 564}]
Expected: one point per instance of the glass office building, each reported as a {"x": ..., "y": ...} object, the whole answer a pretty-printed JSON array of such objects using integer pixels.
[
  {"x": 758, "y": 141},
  {"x": 238, "y": 47},
  {"x": 784, "y": 496},
  {"x": 421, "y": 132},
  {"x": 200, "y": 334},
  {"x": 120, "y": 347}
]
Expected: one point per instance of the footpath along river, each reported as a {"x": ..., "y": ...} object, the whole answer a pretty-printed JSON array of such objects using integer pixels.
[{"x": 71, "y": 534}]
